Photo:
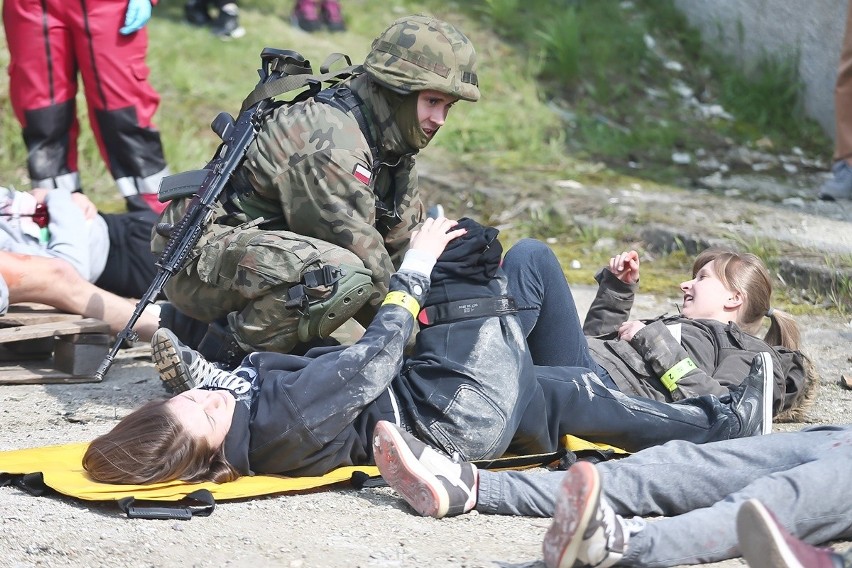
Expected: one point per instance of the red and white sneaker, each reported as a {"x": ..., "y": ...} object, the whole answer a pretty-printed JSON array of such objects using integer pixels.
[
  {"x": 765, "y": 543},
  {"x": 585, "y": 530},
  {"x": 433, "y": 484}
]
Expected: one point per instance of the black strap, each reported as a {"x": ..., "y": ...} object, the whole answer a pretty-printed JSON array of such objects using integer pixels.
[
  {"x": 343, "y": 98},
  {"x": 32, "y": 483},
  {"x": 200, "y": 503},
  {"x": 466, "y": 309},
  {"x": 328, "y": 275},
  {"x": 297, "y": 77}
]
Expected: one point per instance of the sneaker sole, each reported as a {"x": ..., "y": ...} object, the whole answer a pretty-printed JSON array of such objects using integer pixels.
[
  {"x": 760, "y": 541},
  {"x": 168, "y": 362},
  {"x": 404, "y": 472},
  {"x": 768, "y": 392},
  {"x": 565, "y": 535}
]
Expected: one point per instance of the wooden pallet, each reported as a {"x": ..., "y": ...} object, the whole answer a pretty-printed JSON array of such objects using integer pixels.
[{"x": 39, "y": 344}]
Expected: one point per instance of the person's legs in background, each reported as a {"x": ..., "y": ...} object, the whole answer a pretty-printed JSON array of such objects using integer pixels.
[
  {"x": 42, "y": 92},
  {"x": 840, "y": 185},
  {"x": 121, "y": 103},
  {"x": 311, "y": 15},
  {"x": 197, "y": 12},
  {"x": 306, "y": 15},
  {"x": 227, "y": 22}
]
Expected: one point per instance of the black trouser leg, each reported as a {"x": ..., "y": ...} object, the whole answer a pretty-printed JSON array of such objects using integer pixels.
[{"x": 570, "y": 401}]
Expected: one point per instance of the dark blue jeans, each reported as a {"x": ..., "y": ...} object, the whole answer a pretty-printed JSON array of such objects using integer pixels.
[{"x": 547, "y": 313}]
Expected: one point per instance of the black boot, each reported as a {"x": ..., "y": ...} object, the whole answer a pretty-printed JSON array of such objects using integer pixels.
[
  {"x": 219, "y": 346},
  {"x": 188, "y": 330},
  {"x": 750, "y": 403},
  {"x": 227, "y": 23},
  {"x": 195, "y": 12}
]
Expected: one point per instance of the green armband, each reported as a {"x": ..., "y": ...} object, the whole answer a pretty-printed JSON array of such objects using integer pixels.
[
  {"x": 673, "y": 375},
  {"x": 402, "y": 299}
]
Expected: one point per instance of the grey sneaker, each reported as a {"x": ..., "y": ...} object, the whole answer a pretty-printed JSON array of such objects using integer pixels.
[
  {"x": 751, "y": 401},
  {"x": 840, "y": 185},
  {"x": 585, "y": 530},
  {"x": 180, "y": 367},
  {"x": 765, "y": 543},
  {"x": 433, "y": 484}
]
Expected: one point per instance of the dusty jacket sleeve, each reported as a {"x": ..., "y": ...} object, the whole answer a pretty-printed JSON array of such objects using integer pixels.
[
  {"x": 611, "y": 306},
  {"x": 671, "y": 363},
  {"x": 358, "y": 374}
]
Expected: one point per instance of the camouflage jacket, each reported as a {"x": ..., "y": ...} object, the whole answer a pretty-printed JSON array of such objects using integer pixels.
[
  {"x": 312, "y": 164},
  {"x": 721, "y": 352}
]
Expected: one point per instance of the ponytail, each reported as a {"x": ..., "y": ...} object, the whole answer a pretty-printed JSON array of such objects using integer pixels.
[{"x": 783, "y": 330}]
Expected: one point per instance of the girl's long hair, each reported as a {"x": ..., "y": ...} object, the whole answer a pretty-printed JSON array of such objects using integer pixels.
[
  {"x": 746, "y": 274},
  {"x": 150, "y": 445}
]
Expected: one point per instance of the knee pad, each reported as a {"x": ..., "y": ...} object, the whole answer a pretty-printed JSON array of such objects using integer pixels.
[{"x": 348, "y": 295}]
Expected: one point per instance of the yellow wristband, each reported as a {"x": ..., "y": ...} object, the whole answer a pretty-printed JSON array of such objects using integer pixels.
[
  {"x": 673, "y": 375},
  {"x": 402, "y": 299}
]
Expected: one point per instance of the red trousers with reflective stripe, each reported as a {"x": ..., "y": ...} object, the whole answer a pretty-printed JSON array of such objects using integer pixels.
[{"x": 50, "y": 41}]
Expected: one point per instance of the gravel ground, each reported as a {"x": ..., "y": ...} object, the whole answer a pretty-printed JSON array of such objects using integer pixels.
[{"x": 339, "y": 527}]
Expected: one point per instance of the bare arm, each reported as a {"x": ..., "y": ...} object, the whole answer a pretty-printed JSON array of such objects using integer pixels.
[{"x": 54, "y": 282}]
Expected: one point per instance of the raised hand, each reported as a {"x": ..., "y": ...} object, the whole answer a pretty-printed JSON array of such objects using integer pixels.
[
  {"x": 625, "y": 266},
  {"x": 628, "y": 329}
]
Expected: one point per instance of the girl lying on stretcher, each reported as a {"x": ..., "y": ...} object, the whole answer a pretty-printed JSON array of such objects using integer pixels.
[{"x": 470, "y": 388}]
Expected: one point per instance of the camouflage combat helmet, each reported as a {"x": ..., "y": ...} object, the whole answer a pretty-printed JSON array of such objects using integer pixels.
[{"x": 417, "y": 53}]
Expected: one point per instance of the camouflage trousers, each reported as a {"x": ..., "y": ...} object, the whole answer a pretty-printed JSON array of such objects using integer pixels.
[{"x": 245, "y": 274}]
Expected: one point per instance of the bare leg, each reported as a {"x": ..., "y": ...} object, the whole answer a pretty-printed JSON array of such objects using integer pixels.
[{"x": 54, "y": 282}]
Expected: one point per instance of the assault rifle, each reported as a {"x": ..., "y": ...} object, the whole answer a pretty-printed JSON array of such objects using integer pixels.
[{"x": 282, "y": 71}]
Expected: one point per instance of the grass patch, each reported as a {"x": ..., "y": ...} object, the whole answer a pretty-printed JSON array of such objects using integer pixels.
[
  {"x": 572, "y": 83},
  {"x": 571, "y": 90}
]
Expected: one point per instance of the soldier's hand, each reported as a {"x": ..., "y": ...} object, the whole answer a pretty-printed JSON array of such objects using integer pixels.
[{"x": 433, "y": 236}]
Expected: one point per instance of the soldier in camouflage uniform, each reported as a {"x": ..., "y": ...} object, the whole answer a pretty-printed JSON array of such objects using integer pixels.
[{"x": 339, "y": 204}]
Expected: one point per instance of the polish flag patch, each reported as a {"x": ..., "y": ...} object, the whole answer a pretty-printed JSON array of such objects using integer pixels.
[{"x": 362, "y": 174}]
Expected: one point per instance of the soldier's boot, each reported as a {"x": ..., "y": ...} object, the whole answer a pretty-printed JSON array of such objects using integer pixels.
[
  {"x": 219, "y": 346},
  {"x": 188, "y": 330}
]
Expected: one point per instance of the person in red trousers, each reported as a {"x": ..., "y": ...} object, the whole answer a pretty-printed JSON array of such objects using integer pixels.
[{"x": 50, "y": 41}]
